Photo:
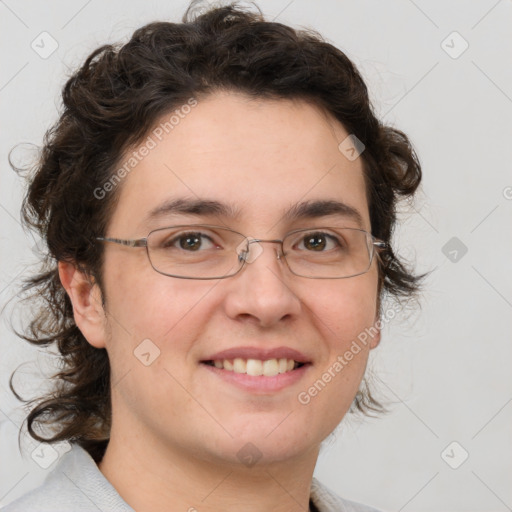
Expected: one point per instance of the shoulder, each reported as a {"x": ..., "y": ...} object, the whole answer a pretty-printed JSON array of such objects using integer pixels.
[
  {"x": 75, "y": 485},
  {"x": 327, "y": 501}
]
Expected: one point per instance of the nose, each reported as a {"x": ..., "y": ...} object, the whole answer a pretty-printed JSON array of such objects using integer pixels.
[{"x": 262, "y": 293}]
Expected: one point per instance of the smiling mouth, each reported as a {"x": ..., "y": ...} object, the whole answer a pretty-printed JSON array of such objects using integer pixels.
[{"x": 256, "y": 367}]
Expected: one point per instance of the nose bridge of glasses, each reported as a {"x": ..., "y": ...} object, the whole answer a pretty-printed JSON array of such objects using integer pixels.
[{"x": 251, "y": 255}]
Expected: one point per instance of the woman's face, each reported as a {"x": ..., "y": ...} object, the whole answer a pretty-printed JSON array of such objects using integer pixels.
[{"x": 260, "y": 158}]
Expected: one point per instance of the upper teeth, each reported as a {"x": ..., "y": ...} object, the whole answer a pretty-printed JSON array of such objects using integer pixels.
[{"x": 255, "y": 367}]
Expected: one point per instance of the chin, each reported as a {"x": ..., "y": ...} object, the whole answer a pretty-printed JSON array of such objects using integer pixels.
[{"x": 271, "y": 442}]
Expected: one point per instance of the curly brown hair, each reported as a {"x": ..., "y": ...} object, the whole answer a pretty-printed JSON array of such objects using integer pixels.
[{"x": 110, "y": 104}]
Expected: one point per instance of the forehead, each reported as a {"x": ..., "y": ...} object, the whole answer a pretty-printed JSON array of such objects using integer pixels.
[{"x": 260, "y": 160}]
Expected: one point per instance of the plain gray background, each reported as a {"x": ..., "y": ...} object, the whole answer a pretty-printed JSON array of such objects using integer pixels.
[{"x": 446, "y": 366}]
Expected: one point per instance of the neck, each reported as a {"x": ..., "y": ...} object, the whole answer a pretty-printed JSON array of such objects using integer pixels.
[{"x": 151, "y": 477}]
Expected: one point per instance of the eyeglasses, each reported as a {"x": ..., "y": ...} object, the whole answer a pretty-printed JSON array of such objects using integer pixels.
[{"x": 199, "y": 251}]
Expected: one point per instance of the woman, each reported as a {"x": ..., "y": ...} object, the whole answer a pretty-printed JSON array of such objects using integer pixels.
[{"x": 218, "y": 200}]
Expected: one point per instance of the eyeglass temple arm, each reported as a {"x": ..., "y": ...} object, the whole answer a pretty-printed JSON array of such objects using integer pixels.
[{"x": 141, "y": 242}]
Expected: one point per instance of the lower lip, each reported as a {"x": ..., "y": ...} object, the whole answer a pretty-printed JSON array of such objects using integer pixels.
[{"x": 260, "y": 383}]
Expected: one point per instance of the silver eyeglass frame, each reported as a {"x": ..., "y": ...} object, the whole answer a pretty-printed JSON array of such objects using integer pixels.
[{"x": 143, "y": 242}]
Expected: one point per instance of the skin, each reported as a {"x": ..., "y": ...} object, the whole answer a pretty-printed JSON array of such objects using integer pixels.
[{"x": 176, "y": 427}]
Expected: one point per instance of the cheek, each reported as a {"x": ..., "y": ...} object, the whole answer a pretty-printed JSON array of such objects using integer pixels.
[
  {"x": 155, "y": 315},
  {"x": 346, "y": 313},
  {"x": 144, "y": 304},
  {"x": 153, "y": 320},
  {"x": 346, "y": 308},
  {"x": 172, "y": 323}
]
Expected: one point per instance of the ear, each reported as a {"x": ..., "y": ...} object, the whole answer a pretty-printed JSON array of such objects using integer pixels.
[
  {"x": 86, "y": 298},
  {"x": 377, "y": 325},
  {"x": 376, "y": 337}
]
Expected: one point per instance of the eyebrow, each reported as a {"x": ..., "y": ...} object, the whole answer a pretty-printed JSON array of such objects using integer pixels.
[
  {"x": 193, "y": 207},
  {"x": 323, "y": 208},
  {"x": 302, "y": 210}
]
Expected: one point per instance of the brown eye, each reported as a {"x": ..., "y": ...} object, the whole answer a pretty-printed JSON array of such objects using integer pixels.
[
  {"x": 315, "y": 242},
  {"x": 191, "y": 242},
  {"x": 318, "y": 242}
]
